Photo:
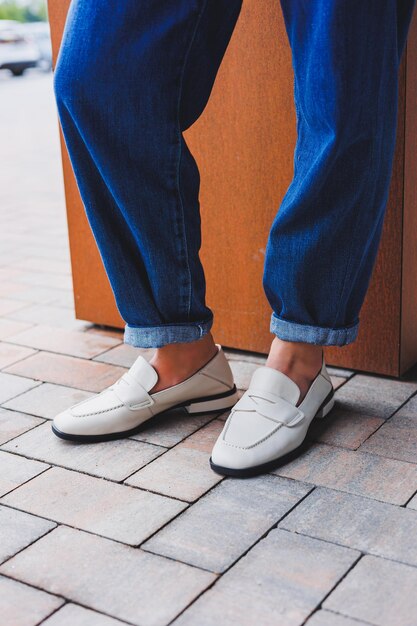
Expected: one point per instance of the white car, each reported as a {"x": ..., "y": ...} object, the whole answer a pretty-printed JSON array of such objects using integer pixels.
[
  {"x": 18, "y": 50},
  {"x": 41, "y": 34}
]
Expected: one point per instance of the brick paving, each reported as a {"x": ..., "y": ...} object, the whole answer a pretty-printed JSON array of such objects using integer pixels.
[{"x": 141, "y": 531}]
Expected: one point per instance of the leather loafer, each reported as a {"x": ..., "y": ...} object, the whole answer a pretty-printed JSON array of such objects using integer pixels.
[
  {"x": 265, "y": 428},
  {"x": 121, "y": 410}
]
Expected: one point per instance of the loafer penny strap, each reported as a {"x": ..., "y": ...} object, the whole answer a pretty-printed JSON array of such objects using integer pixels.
[
  {"x": 279, "y": 410},
  {"x": 131, "y": 393}
]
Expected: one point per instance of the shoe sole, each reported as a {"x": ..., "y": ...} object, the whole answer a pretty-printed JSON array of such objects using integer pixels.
[
  {"x": 197, "y": 406},
  {"x": 264, "y": 468}
]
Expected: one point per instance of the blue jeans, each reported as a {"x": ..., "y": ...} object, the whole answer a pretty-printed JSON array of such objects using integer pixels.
[{"x": 131, "y": 76}]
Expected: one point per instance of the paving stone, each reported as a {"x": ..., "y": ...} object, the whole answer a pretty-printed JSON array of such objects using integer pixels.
[
  {"x": 169, "y": 429},
  {"x": 367, "y": 525},
  {"x": 280, "y": 581},
  {"x": 21, "y": 605},
  {"x": 7, "y": 273},
  {"x": 124, "y": 354},
  {"x": 115, "y": 511},
  {"x": 11, "y": 386},
  {"x": 114, "y": 460},
  {"x": 13, "y": 424},
  {"x": 240, "y": 355},
  {"x": 73, "y": 615},
  {"x": 36, "y": 264},
  {"x": 377, "y": 591},
  {"x": 183, "y": 472},
  {"x": 355, "y": 472},
  {"x": 41, "y": 297},
  {"x": 242, "y": 372},
  {"x": 397, "y": 438},
  {"x": 18, "y": 530},
  {"x": 68, "y": 371},
  {"x": 124, "y": 582},
  {"x": 220, "y": 527},
  {"x": 64, "y": 299},
  {"x": 14, "y": 470},
  {"x": 63, "y": 341},
  {"x": 44, "y": 279},
  {"x": 9, "y": 288},
  {"x": 374, "y": 396},
  {"x": 346, "y": 429},
  {"x": 10, "y": 354},
  {"x": 328, "y": 618},
  {"x": 7, "y": 305},
  {"x": 46, "y": 313},
  {"x": 47, "y": 400},
  {"x": 11, "y": 327}
]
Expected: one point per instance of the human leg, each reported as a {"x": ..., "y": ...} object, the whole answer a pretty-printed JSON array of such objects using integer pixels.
[
  {"x": 129, "y": 79},
  {"x": 324, "y": 239}
]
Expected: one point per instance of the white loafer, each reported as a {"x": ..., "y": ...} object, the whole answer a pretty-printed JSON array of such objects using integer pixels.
[
  {"x": 120, "y": 410},
  {"x": 265, "y": 428}
]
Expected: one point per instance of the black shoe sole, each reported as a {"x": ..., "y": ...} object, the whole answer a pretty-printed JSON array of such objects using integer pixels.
[
  {"x": 264, "y": 468},
  {"x": 133, "y": 431}
]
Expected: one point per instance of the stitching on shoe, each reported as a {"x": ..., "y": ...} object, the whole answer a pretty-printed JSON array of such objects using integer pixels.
[
  {"x": 231, "y": 445},
  {"x": 119, "y": 406}
]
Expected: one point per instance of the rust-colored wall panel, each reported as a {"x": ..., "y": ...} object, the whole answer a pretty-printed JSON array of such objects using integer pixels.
[
  {"x": 409, "y": 268},
  {"x": 243, "y": 144}
]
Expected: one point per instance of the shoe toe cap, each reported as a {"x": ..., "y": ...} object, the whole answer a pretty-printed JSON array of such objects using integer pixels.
[
  {"x": 231, "y": 457},
  {"x": 69, "y": 424}
]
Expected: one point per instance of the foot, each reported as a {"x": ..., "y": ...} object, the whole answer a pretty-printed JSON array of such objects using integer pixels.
[
  {"x": 177, "y": 361},
  {"x": 121, "y": 409},
  {"x": 268, "y": 426},
  {"x": 299, "y": 361}
]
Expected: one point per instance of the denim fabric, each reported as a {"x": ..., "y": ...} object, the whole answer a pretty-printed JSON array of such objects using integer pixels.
[{"x": 131, "y": 76}]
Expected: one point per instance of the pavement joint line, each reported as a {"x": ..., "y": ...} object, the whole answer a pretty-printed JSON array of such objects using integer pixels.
[
  {"x": 353, "y": 619},
  {"x": 18, "y": 360},
  {"x": 359, "y": 451},
  {"x": 29, "y": 544},
  {"x": 95, "y": 534},
  {"x": 274, "y": 525},
  {"x": 44, "y": 619},
  {"x": 343, "y": 545},
  {"x": 66, "y": 600},
  {"x": 44, "y": 420},
  {"x": 320, "y": 605},
  {"x": 39, "y": 350},
  {"x": 35, "y": 380},
  {"x": 263, "y": 536},
  {"x": 121, "y": 483},
  {"x": 408, "y": 501},
  {"x": 29, "y": 479}
]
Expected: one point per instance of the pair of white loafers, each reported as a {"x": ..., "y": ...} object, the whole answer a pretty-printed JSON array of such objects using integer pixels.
[{"x": 265, "y": 427}]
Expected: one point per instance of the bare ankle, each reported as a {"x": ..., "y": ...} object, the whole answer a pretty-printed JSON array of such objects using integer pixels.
[
  {"x": 299, "y": 361},
  {"x": 177, "y": 361}
]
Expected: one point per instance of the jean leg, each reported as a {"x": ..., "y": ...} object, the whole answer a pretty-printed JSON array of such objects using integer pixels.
[
  {"x": 129, "y": 78},
  {"x": 323, "y": 242}
]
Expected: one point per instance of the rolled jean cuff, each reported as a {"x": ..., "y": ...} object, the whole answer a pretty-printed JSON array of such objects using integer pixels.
[
  {"x": 320, "y": 335},
  {"x": 158, "y": 336}
]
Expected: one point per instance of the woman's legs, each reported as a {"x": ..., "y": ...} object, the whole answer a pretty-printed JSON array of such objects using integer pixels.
[{"x": 324, "y": 240}]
